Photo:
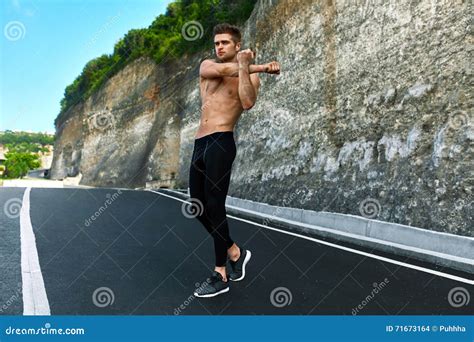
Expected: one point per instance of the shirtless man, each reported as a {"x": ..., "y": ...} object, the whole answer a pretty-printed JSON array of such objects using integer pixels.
[{"x": 229, "y": 85}]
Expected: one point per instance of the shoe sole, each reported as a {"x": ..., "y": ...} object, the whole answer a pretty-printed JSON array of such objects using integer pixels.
[
  {"x": 246, "y": 260},
  {"x": 212, "y": 294}
]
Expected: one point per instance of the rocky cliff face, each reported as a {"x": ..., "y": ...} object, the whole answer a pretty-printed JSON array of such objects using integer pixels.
[
  {"x": 46, "y": 158},
  {"x": 127, "y": 133},
  {"x": 371, "y": 115}
]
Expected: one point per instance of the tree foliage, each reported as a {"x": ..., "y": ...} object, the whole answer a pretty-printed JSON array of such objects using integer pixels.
[
  {"x": 19, "y": 163},
  {"x": 16, "y": 138},
  {"x": 23, "y": 149}
]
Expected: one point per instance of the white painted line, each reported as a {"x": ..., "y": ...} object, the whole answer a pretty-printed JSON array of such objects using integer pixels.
[
  {"x": 159, "y": 193},
  {"x": 370, "y": 255},
  {"x": 356, "y": 236},
  {"x": 35, "y": 300}
]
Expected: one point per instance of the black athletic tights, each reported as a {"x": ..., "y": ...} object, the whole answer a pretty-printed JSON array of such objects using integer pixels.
[{"x": 209, "y": 179}]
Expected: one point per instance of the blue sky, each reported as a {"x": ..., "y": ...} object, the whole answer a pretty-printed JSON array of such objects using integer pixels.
[{"x": 46, "y": 43}]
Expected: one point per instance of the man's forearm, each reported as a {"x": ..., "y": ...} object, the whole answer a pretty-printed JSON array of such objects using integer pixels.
[
  {"x": 232, "y": 69},
  {"x": 247, "y": 93}
]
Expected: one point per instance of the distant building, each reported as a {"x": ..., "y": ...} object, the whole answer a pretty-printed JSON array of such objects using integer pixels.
[{"x": 2, "y": 155}]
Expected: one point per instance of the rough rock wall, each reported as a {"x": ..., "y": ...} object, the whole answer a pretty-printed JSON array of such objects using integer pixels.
[
  {"x": 46, "y": 158},
  {"x": 371, "y": 115},
  {"x": 125, "y": 134}
]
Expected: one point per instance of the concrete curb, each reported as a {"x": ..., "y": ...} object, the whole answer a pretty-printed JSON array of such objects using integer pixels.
[{"x": 447, "y": 250}]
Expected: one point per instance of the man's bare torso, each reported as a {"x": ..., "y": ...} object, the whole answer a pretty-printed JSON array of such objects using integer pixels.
[{"x": 221, "y": 106}]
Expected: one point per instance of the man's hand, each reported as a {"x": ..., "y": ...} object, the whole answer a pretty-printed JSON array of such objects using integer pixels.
[
  {"x": 245, "y": 56},
  {"x": 272, "y": 68}
]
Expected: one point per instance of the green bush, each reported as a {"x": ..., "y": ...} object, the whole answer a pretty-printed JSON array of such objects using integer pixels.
[
  {"x": 19, "y": 163},
  {"x": 23, "y": 148}
]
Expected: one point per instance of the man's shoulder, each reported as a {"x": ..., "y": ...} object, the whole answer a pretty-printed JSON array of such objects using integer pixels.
[{"x": 209, "y": 60}]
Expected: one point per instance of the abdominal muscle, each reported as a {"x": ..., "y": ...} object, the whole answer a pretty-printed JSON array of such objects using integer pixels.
[
  {"x": 220, "y": 111},
  {"x": 218, "y": 122}
]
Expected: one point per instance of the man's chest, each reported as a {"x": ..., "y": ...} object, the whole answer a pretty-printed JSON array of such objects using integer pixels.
[{"x": 225, "y": 86}]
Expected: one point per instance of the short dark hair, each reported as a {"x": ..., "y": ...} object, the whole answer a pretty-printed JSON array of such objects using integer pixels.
[{"x": 234, "y": 31}]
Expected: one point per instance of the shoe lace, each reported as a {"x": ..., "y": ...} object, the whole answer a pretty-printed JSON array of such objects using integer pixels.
[{"x": 213, "y": 279}]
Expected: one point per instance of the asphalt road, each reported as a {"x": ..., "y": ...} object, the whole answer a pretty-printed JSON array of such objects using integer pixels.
[{"x": 141, "y": 255}]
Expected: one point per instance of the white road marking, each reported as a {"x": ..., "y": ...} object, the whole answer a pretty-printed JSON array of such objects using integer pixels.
[
  {"x": 352, "y": 250},
  {"x": 35, "y": 300}
]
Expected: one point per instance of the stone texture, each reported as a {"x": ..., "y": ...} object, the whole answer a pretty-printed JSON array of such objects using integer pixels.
[{"x": 125, "y": 134}]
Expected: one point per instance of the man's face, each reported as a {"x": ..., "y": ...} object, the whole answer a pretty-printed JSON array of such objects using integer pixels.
[{"x": 225, "y": 47}]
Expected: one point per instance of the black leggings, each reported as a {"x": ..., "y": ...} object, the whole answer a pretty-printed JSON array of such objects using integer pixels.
[{"x": 209, "y": 179}]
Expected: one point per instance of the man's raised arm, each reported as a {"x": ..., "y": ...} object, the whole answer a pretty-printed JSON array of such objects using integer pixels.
[
  {"x": 211, "y": 69},
  {"x": 247, "y": 89}
]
